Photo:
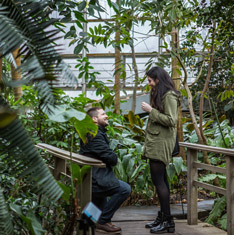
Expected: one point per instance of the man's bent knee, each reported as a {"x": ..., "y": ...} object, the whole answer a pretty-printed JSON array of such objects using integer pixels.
[{"x": 125, "y": 188}]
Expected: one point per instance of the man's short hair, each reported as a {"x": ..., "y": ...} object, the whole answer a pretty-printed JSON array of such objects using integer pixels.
[{"x": 93, "y": 112}]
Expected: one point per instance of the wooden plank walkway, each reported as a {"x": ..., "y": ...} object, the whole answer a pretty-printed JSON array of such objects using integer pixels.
[
  {"x": 138, "y": 228},
  {"x": 132, "y": 220}
]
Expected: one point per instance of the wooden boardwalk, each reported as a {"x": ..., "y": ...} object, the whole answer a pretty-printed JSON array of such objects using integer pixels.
[
  {"x": 132, "y": 220},
  {"x": 138, "y": 228}
]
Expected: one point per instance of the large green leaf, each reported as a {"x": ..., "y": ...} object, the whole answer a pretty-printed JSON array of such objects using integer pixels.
[
  {"x": 114, "y": 143},
  {"x": 125, "y": 161},
  {"x": 130, "y": 168},
  {"x": 132, "y": 118},
  {"x": 136, "y": 172},
  {"x": 84, "y": 170},
  {"x": 34, "y": 224},
  {"x": 30, "y": 219},
  {"x": 128, "y": 141},
  {"x": 120, "y": 171},
  {"x": 82, "y": 122},
  {"x": 211, "y": 177},
  {"x": 171, "y": 171},
  {"x": 76, "y": 173},
  {"x": 140, "y": 182},
  {"x": 178, "y": 163},
  {"x": 122, "y": 152},
  {"x": 85, "y": 126},
  {"x": 66, "y": 192},
  {"x": 138, "y": 148},
  {"x": 64, "y": 113}
]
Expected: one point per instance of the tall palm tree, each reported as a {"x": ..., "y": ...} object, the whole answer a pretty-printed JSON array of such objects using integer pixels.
[{"x": 24, "y": 24}]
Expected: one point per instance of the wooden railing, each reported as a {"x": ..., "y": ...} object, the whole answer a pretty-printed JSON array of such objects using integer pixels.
[
  {"x": 61, "y": 157},
  {"x": 193, "y": 183}
]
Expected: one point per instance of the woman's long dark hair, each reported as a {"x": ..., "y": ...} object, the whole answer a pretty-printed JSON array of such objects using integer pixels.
[{"x": 165, "y": 84}]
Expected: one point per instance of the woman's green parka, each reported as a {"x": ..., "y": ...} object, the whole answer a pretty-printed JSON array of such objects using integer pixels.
[{"x": 161, "y": 130}]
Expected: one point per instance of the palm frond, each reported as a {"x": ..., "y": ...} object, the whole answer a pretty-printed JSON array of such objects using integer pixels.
[
  {"x": 10, "y": 37},
  {"x": 5, "y": 218},
  {"x": 18, "y": 150},
  {"x": 67, "y": 75},
  {"x": 40, "y": 59},
  {"x": 25, "y": 25},
  {"x": 46, "y": 95}
]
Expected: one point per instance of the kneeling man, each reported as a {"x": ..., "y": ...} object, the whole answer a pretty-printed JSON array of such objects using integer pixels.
[{"x": 108, "y": 193}]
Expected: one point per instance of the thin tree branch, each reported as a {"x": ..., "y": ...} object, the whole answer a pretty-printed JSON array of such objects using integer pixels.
[{"x": 207, "y": 81}]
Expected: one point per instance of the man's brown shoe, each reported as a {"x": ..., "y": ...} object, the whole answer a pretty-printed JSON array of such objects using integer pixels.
[{"x": 108, "y": 228}]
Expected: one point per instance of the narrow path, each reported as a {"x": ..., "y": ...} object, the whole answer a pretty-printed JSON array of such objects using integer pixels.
[
  {"x": 132, "y": 220},
  {"x": 138, "y": 228}
]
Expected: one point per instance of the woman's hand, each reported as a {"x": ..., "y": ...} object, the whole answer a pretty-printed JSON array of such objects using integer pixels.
[{"x": 146, "y": 107}]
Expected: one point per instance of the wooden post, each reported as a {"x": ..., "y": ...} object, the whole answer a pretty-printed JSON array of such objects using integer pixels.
[
  {"x": 230, "y": 194},
  {"x": 192, "y": 215},
  {"x": 59, "y": 167},
  {"x": 85, "y": 190},
  {"x": 85, "y": 195}
]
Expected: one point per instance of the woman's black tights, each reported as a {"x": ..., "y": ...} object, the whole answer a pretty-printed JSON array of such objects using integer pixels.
[{"x": 159, "y": 178}]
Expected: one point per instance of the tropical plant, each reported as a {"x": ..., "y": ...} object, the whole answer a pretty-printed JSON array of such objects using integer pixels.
[
  {"x": 127, "y": 136},
  {"x": 218, "y": 215},
  {"x": 219, "y": 135},
  {"x": 175, "y": 169},
  {"x": 25, "y": 25},
  {"x": 70, "y": 195},
  {"x": 127, "y": 139}
]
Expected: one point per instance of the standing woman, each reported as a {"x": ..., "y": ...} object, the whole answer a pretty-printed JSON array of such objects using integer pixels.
[{"x": 160, "y": 141}]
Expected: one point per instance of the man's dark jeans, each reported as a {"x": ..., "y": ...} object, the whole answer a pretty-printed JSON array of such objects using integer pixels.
[{"x": 110, "y": 201}]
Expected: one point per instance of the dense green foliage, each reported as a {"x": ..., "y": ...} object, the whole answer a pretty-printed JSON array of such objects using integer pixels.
[
  {"x": 48, "y": 115},
  {"x": 126, "y": 134},
  {"x": 217, "y": 137},
  {"x": 27, "y": 183}
]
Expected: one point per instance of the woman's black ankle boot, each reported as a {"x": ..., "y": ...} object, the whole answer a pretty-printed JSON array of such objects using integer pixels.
[
  {"x": 166, "y": 226},
  {"x": 155, "y": 223}
]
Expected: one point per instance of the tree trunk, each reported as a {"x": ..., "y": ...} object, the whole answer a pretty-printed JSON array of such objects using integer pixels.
[
  {"x": 117, "y": 69},
  {"x": 176, "y": 79},
  {"x": 197, "y": 130},
  {"x": 16, "y": 75},
  {"x": 136, "y": 79},
  {"x": 191, "y": 111},
  {"x": 206, "y": 83}
]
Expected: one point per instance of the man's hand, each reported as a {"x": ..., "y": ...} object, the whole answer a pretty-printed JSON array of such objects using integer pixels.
[{"x": 146, "y": 107}]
